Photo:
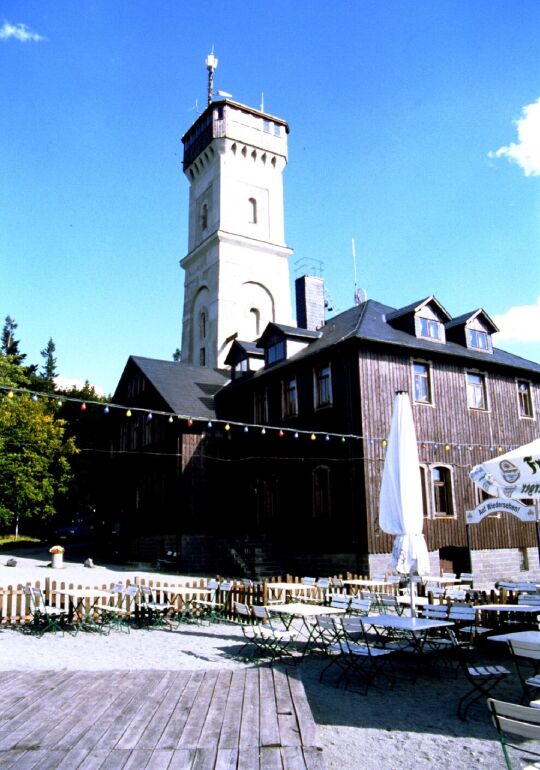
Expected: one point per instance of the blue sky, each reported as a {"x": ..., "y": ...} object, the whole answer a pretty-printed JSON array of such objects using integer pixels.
[{"x": 415, "y": 130}]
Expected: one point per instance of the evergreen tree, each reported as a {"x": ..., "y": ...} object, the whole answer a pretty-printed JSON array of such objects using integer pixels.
[
  {"x": 9, "y": 345},
  {"x": 48, "y": 372}
]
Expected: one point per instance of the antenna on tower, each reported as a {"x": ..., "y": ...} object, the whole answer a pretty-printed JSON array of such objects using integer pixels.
[
  {"x": 262, "y": 101},
  {"x": 211, "y": 65}
]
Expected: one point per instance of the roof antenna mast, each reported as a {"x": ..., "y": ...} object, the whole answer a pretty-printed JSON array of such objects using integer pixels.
[
  {"x": 211, "y": 65},
  {"x": 356, "y": 292}
]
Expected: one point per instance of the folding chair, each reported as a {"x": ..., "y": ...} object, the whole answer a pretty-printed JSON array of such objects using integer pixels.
[
  {"x": 273, "y": 641},
  {"x": 465, "y": 619},
  {"x": 356, "y": 656},
  {"x": 115, "y": 614},
  {"x": 341, "y": 601},
  {"x": 467, "y": 577},
  {"x": 526, "y": 657},
  {"x": 46, "y": 617},
  {"x": 515, "y": 721},
  {"x": 483, "y": 680},
  {"x": 153, "y": 613},
  {"x": 359, "y": 606},
  {"x": 389, "y": 603},
  {"x": 206, "y": 608}
]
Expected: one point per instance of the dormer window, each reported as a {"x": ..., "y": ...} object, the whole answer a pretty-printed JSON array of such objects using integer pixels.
[
  {"x": 477, "y": 339},
  {"x": 275, "y": 352},
  {"x": 430, "y": 328}
]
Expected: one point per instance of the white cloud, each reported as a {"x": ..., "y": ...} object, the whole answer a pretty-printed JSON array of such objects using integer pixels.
[
  {"x": 19, "y": 32},
  {"x": 519, "y": 324},
  {"x": 526, "y": 151}
]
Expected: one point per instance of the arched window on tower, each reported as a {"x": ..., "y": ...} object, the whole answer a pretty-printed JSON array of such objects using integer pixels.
[
  {"x": 252, "y": 211},
  {"x": 255, "y": 317},
  {"x": 202, "y": 325},
  {"x": 204, "y": 216}
]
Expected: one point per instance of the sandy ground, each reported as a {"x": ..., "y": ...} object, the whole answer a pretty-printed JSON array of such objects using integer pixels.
[{"x": 412, "y": 726}]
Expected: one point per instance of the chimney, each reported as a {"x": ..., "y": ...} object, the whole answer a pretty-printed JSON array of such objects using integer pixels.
[{"x": 309, "y": 302}]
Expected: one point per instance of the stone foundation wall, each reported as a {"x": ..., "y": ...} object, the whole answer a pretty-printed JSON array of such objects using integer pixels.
[{"x": 505, "y": 563}]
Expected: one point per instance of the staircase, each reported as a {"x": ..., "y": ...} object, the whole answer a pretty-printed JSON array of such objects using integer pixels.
[{"x": 255, "y": 558}]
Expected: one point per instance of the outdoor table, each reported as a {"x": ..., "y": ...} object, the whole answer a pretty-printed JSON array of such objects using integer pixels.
[
  {"x": 358, "y": 583},
  {"x": 304, "y": 613},
  {"x": 514, "y": 609},
  {"x": 439, "y": 579},
  {"x": 419, "y": 601},
  {"x": 280, "y": 592},
  {"x": 416, "y": 628},
  {"x": 83, "y": 605},
  {"x": 518, "y": 636},
  {"x": 189, "y": 596}
]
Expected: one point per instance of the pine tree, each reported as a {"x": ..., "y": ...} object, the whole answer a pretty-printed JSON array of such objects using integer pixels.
[
  {"x": 9, "y": 345},
  {"x": 48, "y": 372}
]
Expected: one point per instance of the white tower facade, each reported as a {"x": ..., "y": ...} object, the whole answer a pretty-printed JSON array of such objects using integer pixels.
[{"x": 237, "y": 265}]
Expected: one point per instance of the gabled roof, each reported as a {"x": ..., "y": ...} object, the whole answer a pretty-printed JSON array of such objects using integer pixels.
[
  {"x": 367, "y": 323},
  {"x": 183, "y": 388},
  {"x": 291, "y": 332},
  {"x": 466, "y": 318},
  {"x": 415, "y": 307},
  {"x": 240, "y": 350}
]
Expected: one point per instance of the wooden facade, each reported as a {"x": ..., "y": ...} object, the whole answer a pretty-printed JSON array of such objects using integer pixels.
[{"x": 367, "y": 368}]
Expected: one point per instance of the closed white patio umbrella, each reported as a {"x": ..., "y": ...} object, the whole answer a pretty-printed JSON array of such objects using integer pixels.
[
  {"x": 400, "y": 502},
  {"x": 514, "y": 475}
]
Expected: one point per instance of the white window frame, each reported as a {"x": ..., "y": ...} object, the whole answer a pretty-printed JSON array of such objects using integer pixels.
[
  {"x": 419, "y": 362},
  {"x": 469, "y": 388},
  {"x": 428, "y": 490},
  {"x": 522, "y": 414}
]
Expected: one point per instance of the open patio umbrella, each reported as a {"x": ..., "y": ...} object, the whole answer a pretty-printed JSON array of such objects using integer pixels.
[
  {"x": 400, "y": 501},
  {"x": 515, "y": 474}
]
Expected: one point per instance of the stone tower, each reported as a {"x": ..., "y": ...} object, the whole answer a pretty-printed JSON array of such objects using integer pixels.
[{"x": 237, "y": 265}]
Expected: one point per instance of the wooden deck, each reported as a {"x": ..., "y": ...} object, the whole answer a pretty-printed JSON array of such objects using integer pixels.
[{"x": 250, "y": 719}]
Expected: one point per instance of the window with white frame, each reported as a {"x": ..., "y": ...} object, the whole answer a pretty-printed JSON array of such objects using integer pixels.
[
  {"x": 430, "y": 328},
  {"x": 437, "y": 491},
  {"x": 290, "y": 397},
  {"x": 441, "y": 485},
  {"x": 323, "y": 386},
  {"x": 476, "y": 391},
  {"x": 478, "y": 339},
  {"x": 422, "y": 382},
  {"x": 525, "y": 406}
]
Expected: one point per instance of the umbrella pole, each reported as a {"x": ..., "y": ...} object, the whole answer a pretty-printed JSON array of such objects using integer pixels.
[{"x": 411, "y": 584}]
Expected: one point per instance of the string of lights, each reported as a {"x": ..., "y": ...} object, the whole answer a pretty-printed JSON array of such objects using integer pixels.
[{"x": 230, "y": 427}]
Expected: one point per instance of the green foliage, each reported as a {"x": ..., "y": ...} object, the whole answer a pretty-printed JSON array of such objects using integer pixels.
[
  {"x": 34, "y": 458},
  {"x": 48, "y": 372}
]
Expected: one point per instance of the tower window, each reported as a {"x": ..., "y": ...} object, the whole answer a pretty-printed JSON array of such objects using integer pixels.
[
  {"x": 202, "y": 325},
  {"x": 252, "y": 211},
  {"x": 204, "y": 216},
  {"x": 255, "y": 316},
  {"x": 202, "y": 357}
]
